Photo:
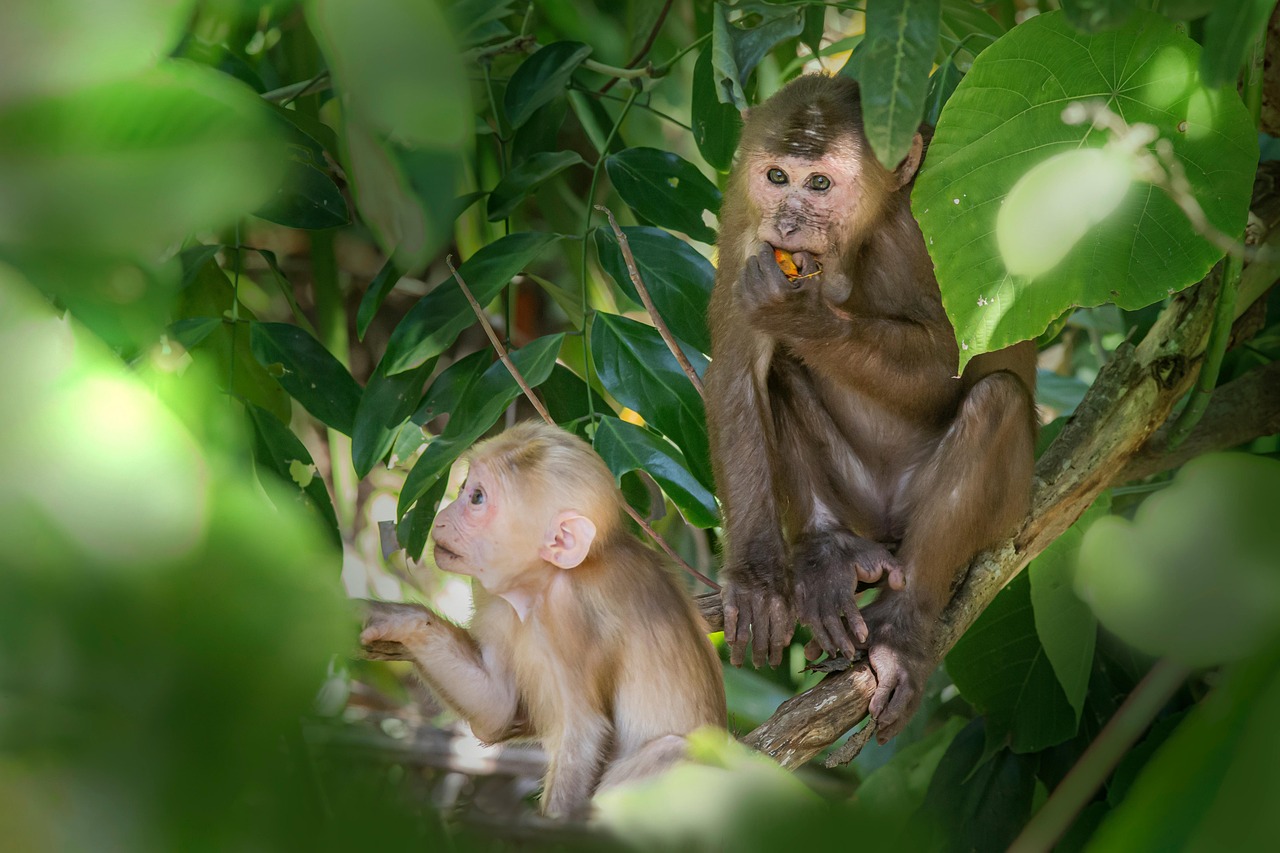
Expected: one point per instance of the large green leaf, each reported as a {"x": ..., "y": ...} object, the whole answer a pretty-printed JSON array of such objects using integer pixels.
[
  {"x": 527, "y": 177},
  {"x": 541, "y": 78},
  {"x": 894, "y": 75},
  {"x": 1066, "y": 627},
  {"x": 398, "y": 63},
  {"x": 387, "y": 402},
  {"x": 716, "y": 125},
  {"x": 1145, "y": 578},
  {"x": 738, "y": 46},
  {"x": 1229, "y": 34},
  {"x": 282, "y": 452},
  {"x": 1213, "y": 785},
  {"x": 481, "y": 406},
  {"x": 626, "y": 447},
  {"x": 1006, "y": 117},
  {"x": 308, "y": 198},
  {"x": 677, "y": 277},
  {"x": 566, "y": 397},
  {"x": 433, "y": 324},
  {"x": 447, "y": 391},
  {"x": 635, "y": 366},
  {"x": 60, "y": 45},
  {"x": 1001, "y": 667},
  {"x": 666, "y": 189},
  {"x": 137, "y": 164},
  {"x": 308, "y": 371}
]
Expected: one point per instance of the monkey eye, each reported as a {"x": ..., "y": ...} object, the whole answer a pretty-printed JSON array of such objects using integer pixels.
[
  {"x": 776, "y": 176},
  {"x": 820, "y": 183},
  {"x": 477, "y": 497}
]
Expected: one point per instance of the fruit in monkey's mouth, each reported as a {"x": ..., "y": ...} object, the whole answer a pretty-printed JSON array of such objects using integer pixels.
[{"x": 787, "y": 263}]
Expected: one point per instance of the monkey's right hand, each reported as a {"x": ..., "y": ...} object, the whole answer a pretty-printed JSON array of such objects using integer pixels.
[
  {"x": 828, "y": 568},
  {"x": 390, "y": 622},
  {"x": 758, "y": 616}
]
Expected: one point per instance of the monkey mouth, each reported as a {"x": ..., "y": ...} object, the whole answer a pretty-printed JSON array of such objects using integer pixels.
[{"x": 442, "y": 550}]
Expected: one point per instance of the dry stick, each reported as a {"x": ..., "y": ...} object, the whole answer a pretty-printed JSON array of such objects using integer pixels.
[
  {"x": 546, "y": 416},
  {"x": 670, "y": 340}
]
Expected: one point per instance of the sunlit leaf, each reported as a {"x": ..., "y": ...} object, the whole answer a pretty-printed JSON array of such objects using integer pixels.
[{"x": 666, "y": 189}]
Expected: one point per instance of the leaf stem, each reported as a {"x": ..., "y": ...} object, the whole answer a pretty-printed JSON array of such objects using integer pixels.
[{"x": 1100, "y": 759}]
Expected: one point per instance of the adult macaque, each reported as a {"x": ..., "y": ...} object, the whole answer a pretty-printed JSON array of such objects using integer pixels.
[
  {"x": 580, "y": 636},
  {"x": 845, "y": 447}
]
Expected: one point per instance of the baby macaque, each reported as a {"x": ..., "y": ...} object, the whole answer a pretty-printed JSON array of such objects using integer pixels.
[{"x": 580, "y": 636}]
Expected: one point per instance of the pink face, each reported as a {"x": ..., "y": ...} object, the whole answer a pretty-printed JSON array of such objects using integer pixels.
[
  {"x": 478, "y": 535},
  {"x": 802, "y": 200}
]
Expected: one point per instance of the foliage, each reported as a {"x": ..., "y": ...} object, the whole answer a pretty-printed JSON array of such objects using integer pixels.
[{"x": 241, "y": 206}]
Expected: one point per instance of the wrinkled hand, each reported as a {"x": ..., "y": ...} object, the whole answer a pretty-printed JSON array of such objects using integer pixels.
[
  {"x": 390, "y": 622},
  {"x": 899, "y": 655},
  {"x": 756, "y": 617},
  {"x": 805, "y": 307},
  {"x": 828, "y": 568}
]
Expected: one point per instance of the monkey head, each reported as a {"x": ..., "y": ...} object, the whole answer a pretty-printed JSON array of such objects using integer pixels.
[
  {"x": 535, "y": 498},
  {"x": 812, "y": 182}
]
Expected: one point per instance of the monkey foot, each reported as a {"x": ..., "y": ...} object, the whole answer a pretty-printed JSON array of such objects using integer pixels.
[{"x": 761, "y": 619}]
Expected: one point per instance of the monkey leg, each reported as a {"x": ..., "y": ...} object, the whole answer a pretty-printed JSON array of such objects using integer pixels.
[
  {"x": 650, "y": 759},
  {"x": 974, "y": 490}
]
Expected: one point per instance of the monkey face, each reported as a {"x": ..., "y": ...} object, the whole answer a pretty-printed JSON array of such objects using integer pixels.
[
  {"x": 805, "y": 204},
  {"x": 477, "y": 535}
]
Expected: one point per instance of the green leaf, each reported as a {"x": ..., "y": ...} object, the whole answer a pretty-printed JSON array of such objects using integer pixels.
[
  {"x": 635, "y": 366},
  {"x": 1006, "y": 117},
  {"x": 1213, "y": 784},
  {"x": 626, "y": 447},
  {"x": 279, "y": 450},
  {"x": 414, "y": 528},
  {"x": 677, "y": 277},
  {"x": 967, "y": 28},
  {"x": 893, "y": 791},
  {"x": 540, "y": 78},
  {"x": 1061, "y": 393},
  {"x": 191, "y": 331},
  {"x": 308, "y": 199},
  {"x": 63, "y": 45},
  {"x": 1229, "y": 34},
  {"x": 445, "y": 394},
  {"x": 942, "y": 85},
  {"x": 1092, "y": 16},
  {"x": 1137, "y": 575},
  {"x": 471, "y": 18},
  {"x": 665, "y": 189},
  {"x": 379, "y": 289},
  {"x": 894, "y": 76},
  {"x": 433, "y": 324},
  {"x": 398, "y": 65},
  {"x": 311, "y": 374},
  {"x": 737, "y": 47},
  {"x": 716, "y": 125},
  {"x": 1066, "y": 627},
  {"x": 1002, "y": 668},
  {"x": 541, "y": 131},
  {"x": 135, "y": 165},
  {"x": 569, "y": 298},
  {"x": 481, "y": 407},
  {"x": 527, "y": 177},
  {"x": 387, "y": 402},
  {"x": 566, "y": 396}
]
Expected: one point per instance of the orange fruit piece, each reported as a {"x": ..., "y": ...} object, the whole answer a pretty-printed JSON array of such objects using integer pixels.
[{"x": 786, "y": 263}]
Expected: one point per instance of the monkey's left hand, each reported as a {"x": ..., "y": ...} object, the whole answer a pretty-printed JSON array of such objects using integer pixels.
[
  {"x": 389, "y": 622},
  {"x": 803, "y": 308},
  {"x": 900, "y": 659}
]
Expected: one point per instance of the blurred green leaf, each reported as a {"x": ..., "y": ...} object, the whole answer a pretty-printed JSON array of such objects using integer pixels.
[
  {"x": 480, "y": 409},
  {"x": 716, "y": 125},
  {"x": 311, "y": 374},
  {"x": 398, "y": 63},
  {"x": 967, "y": 28},
  {"x": 569, "y": 298},
  {"x": 1001, "y": 667},
  {"x": 737, "y": 47},
  {"x": 891, "y": 793},
  {"x": 51, "y": 46},
  {"x": 626, "y": 447},
  {"x": 1061, "y": 393},
  {"x": 541, "y": 131},
  {"x": 751, "y": 697},
  {"x": 276, "y": 448},
  {"x": 527, "y": 177},
  {"x": 472, "y": 19},
  {"x": 387, "y": 402},
  {"x": 815, "y": 18},
  {"x": 899, "y": 46},
  {"x": 1229, "y": 34},
  {"x": 635, "y": 366},
  {"x": 1017, "y": 119},
  {"x": 541, "y": 78},
  {"x": 193, "y": 330},
  {"x": 381, "y": 286},
  {"x": 1066, "y": 627},
  {"x": 307, "y": 199},
  {"x": 677, "y": 277},
  {"x": 433, "y": 324},
  {"x": 665, "y": 189},
  {"x": 1092, "y": 16},
  {"x": 1139, "y": 576},
  {"x": 137, "y": 164}
]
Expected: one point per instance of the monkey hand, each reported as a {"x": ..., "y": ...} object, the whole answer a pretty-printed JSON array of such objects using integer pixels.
[
  {"x": 388, "y": 622},
  {"x": 758, "y": 616},
  {"x": 829, "y": 565},
  {"x": 799, "y": 308},
  {"x": 899, "y": 657}
]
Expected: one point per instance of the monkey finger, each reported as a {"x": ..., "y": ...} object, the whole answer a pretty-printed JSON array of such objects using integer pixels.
[
  {"x": 821, "y": 639},
  {"x": 761, "y": 631},
  {"x": 893, "y": 718},
  {"x": 735, "y": 630},
  {"x": 812, "y": 650},
  {"x": 868, "y": 572},
  {"x": 843, "y": 643},
  {"x": 897, "y": 578},
  {"x": 887, "y": 673},
  {"x": 782, "y": 628},
  {"x": 853, "y": 617}
]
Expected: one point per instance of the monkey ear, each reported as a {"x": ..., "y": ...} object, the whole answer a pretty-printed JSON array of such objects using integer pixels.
[
  {"x": 569, "y": 538},
  {"x": 907, "y": 168}
]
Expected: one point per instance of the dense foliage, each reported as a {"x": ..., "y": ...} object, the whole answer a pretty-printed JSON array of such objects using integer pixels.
[{"x": 243, "y": 209}]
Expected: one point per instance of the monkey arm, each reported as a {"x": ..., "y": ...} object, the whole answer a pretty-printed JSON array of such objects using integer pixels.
[{"x": 474, "y": 681}]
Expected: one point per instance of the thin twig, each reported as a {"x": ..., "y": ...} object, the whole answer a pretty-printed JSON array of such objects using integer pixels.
[
  {"x": 648, "y": 302},
  {"x": 546, "y": 416}
]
